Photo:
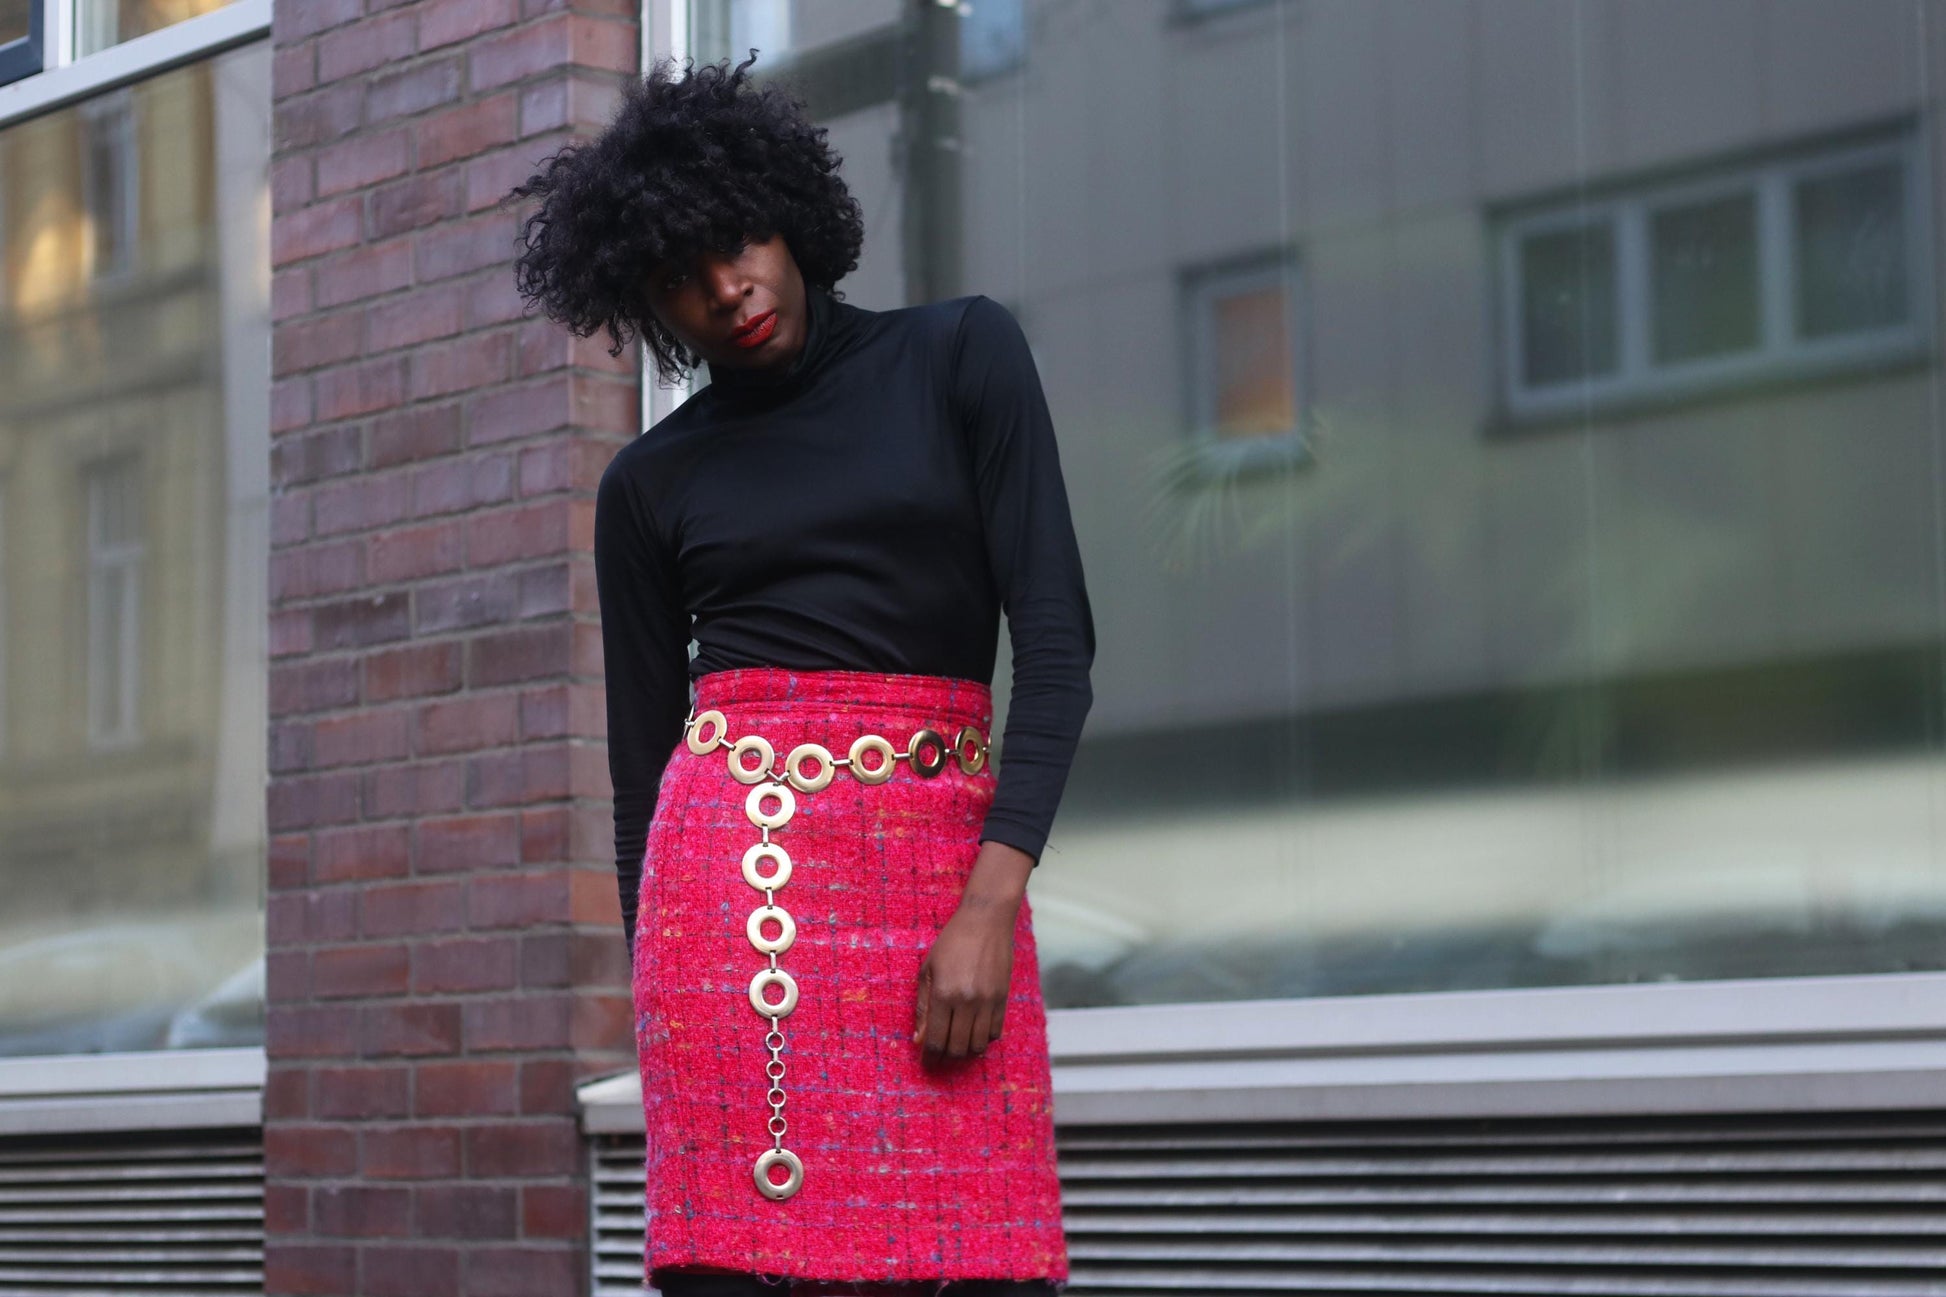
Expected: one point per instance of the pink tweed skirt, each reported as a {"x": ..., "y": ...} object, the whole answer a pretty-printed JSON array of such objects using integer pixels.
[{"x": 912, "y": 1174}]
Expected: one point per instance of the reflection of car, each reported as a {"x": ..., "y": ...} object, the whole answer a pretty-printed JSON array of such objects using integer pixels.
[
  {"x": 231, "y": 1014},
  {"x": 110, "y": 986}
]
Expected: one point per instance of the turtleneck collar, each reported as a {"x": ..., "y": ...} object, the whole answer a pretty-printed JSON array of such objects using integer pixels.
[{"x": 820, "y": 338}]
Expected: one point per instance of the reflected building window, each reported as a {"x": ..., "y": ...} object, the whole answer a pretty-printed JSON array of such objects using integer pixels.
[
  {"x": 1245, "y": 358},
  {"x": 109, "y": 186},
  {"x": 992, "y": 37},
  {"x": 1800, "y": 264},
  {"x": 114, "y": 513}
]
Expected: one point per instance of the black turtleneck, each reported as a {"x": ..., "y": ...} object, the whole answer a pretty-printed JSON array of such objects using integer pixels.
[{"x": 874, "y": 506}]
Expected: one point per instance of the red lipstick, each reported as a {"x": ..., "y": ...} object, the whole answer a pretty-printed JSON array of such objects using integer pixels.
[{"x": 756, "y": 331}]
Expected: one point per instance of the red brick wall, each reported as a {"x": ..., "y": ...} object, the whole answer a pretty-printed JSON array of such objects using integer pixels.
[{"x": 445, "y": 951}]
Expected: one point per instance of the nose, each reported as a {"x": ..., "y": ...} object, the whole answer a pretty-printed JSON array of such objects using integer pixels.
[{"x": 725, "y": 282}]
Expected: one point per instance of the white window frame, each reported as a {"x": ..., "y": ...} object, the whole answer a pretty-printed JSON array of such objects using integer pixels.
[
  {"x": 65, "y": 79},
  {"x": 665, "y": 34},
  {"x": 1780, "y": 353},
  {"x": 128, "y": 558},
  {"x": 1217, "y": 457}
]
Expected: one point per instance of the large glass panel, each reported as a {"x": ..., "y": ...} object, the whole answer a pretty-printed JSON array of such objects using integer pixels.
[
  {"x": 134, "y": 460},
  {"x": 1644, "y": 692}
]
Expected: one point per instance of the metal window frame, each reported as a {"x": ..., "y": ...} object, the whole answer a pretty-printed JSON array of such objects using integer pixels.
[
  {"x": 64, "y": 79},
  {"x": 1780, "y": 351},
  {"x": 164, "y": 1089}
]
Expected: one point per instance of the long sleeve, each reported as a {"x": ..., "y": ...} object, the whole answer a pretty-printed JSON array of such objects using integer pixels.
[
  {"x": 1036, "y": 563},
  {"x": 645, "y": 652}
]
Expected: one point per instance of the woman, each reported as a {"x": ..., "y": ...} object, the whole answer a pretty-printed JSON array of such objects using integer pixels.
[{"x": 822, "y": 874}]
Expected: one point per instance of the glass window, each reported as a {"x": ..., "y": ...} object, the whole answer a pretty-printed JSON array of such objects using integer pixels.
[
  {"x": 1703, "y": 277},
  {"x": 1648, "y": 692},
  {"x": 134, "y": 412},
  {"x": 1826, "y": 230},
  {"x": 992, "y": 37},
  {"x": 100, "y": 24},
  {"x": 1852, "y": 270},
  {"x": 20, "y": 39},
  {"x": 1245, "y": 363},
  {"x": 1568, "y": 304}
]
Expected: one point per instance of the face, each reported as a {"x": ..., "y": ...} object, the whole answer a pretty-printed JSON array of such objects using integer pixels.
[{"x": 739, "y": 307}]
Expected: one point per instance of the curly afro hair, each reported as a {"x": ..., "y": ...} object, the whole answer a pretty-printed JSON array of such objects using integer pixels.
[{"x": 690, "y": 163}]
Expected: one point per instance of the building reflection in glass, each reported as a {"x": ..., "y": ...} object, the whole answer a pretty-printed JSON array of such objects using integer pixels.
[{"x": 134, "y": 398}]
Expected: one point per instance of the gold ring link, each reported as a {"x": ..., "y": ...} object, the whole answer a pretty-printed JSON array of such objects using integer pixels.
[
  {"x": 757, "y": 880},
  {"x": 753, "y": 805},
  {"x": 701, "y": 746},
  {"x": 872, "y": 743},
  {"x": 752, "y": 743},
  {"x": 754, "y": 926},
  {"x": 773, "y": 1157},
  {"x": 971, "y": 750},
  {"x": 773, "y": 977},
  {"x": 827, "y": 768},
  {"x": 921, "y": 740}
]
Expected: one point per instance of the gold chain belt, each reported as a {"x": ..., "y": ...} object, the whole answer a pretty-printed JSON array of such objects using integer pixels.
[{"x": 968, "y": 748}]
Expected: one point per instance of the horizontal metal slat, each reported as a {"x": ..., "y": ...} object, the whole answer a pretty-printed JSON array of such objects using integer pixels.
[{"x": 1659, "y": 1223}]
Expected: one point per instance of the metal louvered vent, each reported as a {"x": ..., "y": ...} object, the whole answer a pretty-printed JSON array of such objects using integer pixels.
[
  {"x": 619, "y": 1224},
  {"x": 176, "y": 1212},
  {"x": 1713, "y": 1206}
]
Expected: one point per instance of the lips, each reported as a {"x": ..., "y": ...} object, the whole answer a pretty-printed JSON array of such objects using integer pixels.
[{"x": 754, "y": 329}]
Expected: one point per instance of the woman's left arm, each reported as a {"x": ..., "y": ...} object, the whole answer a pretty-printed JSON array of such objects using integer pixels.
[{"x": 1036, "y": 564}]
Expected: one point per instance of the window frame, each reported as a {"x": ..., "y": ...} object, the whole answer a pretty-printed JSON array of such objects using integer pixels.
[
  {"x": 1215, "y": 457},
  {"x": 63, "y": 79},
  {"x": 25, "y": 56},
  {"x": 1781, "y": 353}
]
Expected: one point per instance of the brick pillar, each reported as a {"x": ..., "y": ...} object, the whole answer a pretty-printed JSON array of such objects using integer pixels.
[{"x": 445, "y": 950}]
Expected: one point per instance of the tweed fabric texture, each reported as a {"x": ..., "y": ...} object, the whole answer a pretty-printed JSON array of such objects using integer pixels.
[{"x": 912, "y": 1172}]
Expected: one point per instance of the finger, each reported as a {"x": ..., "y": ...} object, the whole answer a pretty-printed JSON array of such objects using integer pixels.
[
  {"x": 939, "y": 1020},
  {"x": 925, "y": 997},
  {"x": 961, "y": 1036},
  {"x": 982, "y": 1029}
]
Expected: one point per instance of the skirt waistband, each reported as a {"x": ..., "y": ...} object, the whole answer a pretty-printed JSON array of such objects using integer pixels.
[{"x": 944, "y": 697}]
